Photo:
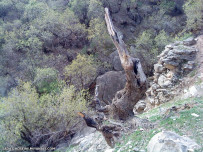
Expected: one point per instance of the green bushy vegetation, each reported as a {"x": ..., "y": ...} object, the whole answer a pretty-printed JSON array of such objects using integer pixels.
[
  {"x": 98, "y": 36},
  {"x": 167, "y": 6},
  {"x": 81, "y": 71},
  {"x": 151, "y": 44},
  {"x": 193, "y": 10},
  {"x": 25, "y": 115},
  {"x": 46, "y": 80}
]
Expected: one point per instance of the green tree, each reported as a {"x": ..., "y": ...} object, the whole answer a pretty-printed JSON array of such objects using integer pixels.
[
  {"x": 145, "y": 40},
  {"x": 80, "y": 8},
  {"x": 26, "y": 41},
  {"x": 98, "y": 36},
  {"x": 61, "y": 30},
  {"x": 5, "y": 6},
  {"x": 95, "y": 9},
  {"x": 81, "y": 71},
  {"x": 162, "y": 39},
  {"x": 27, "y": 117},
  {"x": 46, "y": 80},
  {"x": 193, "y": 10},
  {"x": 34, "y": 9}
]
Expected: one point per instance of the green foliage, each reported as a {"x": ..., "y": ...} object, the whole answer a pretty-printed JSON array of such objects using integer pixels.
[
  {"x": 149, "y": 46},
  {"x": 80, "y": 8},
  {"x": 95, "y": 10},
  {"x": 34, "y": 9},
  {"x": 98, "y": 35},
  {"x": 182, "y": 36},
  {"x": 81, "y": 71},
  {"x": 145, "y": 40},
  {"x": 162, "y": 39},
  {"x": 193, "y": 10},
  {"x": 24, "y": 112},
  {"x": 166, "y": 5},
  {"x": 5, "y": 6},
  {"x": 65, "y": 27},
  {"x": 46, "y": 80}
]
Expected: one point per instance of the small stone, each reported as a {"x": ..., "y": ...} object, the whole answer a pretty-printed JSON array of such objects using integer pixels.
[
  {"x": 169, "y": 46},
  {"x": 136, "y": 149},
  {"x": 158, "y": 68},
  {"x": 161, "y": 80},
  {"x": 193, "y": 91},
  {"x": 195, "y": 115},
  {"x": 140, "y": 106}
]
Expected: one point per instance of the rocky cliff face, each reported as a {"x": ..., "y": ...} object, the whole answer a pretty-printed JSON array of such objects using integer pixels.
[{"x": 175, "y": 62}]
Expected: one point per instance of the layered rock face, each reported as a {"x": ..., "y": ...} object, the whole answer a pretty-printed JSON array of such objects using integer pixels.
[{"x": 175, "y": 62}]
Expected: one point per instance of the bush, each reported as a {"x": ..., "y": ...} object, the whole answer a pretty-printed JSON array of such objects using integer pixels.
[
  {"x": 148, "y": 47},
  {"x": 145, "y": 40},
  {"x": 80, "y": 9},
  {"x": 95, "y": 9},
  {"x": 162, "y": 39},
  {"x": 193, "y": 10},
  {"x": 98, "y": 36},
  {"x": 167, "y": 5},
  {"x": 81, "y": 71},
  {"x": 46, "y": 80},
  {"x": 182, "y": 36},
  {"x": 26, "y": 117}
]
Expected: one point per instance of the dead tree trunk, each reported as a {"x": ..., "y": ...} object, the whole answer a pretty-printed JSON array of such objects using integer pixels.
[{"x": 136, "y": 85}]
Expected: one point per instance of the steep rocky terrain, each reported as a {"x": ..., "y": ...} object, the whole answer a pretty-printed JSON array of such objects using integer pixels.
[{"x": 178, "y": 110}]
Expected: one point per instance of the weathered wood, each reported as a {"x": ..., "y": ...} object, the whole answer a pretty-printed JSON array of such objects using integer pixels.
[{"x": 124, "y": 101}]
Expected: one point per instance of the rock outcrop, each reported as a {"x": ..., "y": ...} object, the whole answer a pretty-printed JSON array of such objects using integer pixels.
[
  {"x": 168, "y": 141},
  {"x": 108, "y": 84},
  {"x": 93, "y": 142},
  {"x": 175, "y": 62}
]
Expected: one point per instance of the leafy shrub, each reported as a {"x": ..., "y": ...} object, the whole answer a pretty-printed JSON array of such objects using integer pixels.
[
  {"x": 162, "y": 39},
  {"x": 193, "y": 10},
  {"x": 34, "y": 9},
  {"x": 167, "y": 6},
  {"x": 81, "y": 71},
  {"x": 80, "y": 9},
  {"x": 46, "y": 80},
  {"x": 183, "y": 36},
  {"x": 98, "y": 35},
  {"x": 26, "y": 117},
  {"x": 95, "y": 9},
  {"x": 148, "y": 47},
  {"x": 145, "y": 40}
]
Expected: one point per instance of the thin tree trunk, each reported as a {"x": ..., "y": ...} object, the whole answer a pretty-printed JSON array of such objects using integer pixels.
[{"x": 136, "y": 85}]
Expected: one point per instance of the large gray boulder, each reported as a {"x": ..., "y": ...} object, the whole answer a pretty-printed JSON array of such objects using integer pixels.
[
  {"x": 168, "y": 141},
  {"x": 115, "y": 61},
  {"x": 108, "y": 84}
]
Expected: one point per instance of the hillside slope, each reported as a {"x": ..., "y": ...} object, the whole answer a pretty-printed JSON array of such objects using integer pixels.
[{"x": 182, "y": 115}]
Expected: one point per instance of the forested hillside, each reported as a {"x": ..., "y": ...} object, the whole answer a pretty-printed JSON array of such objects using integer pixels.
[{"x": 52, "y": 51}]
